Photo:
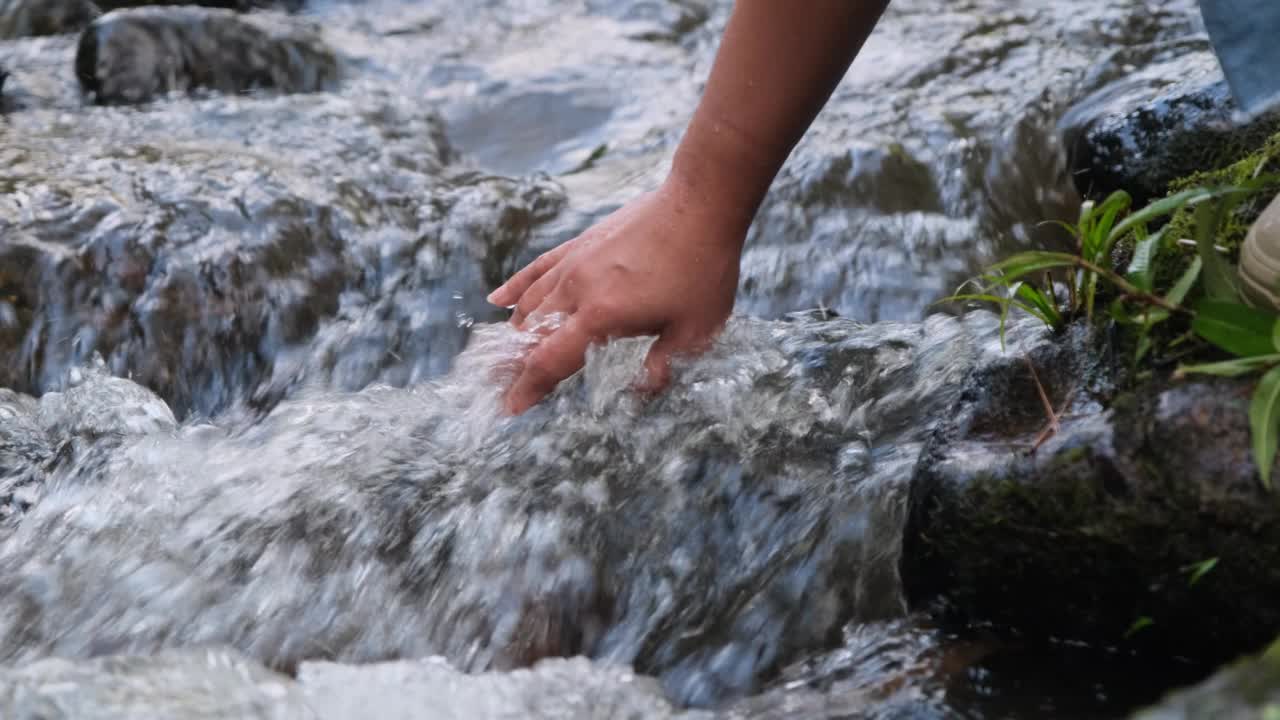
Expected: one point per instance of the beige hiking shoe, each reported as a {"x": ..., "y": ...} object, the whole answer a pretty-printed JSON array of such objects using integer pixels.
[{"x": 1260, "y": 260}]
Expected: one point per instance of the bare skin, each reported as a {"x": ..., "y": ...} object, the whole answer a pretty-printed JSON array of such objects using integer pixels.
[{"x": 666, "y": 264}]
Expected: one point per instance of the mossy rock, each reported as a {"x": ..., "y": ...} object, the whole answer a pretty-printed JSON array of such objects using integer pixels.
[
  {"x": 1141, "y": 133},
  {"x": 1249, "y": 688},
  {"x": 1096, "y": 535}
]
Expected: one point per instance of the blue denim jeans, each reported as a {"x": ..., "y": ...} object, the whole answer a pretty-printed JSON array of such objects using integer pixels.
[{"x": 1245, "y": 34}]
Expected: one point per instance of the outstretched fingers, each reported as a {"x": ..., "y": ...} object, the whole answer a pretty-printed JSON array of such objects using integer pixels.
[
  {"x": 533, "y": 298},
  {"x": 510, "y": 292},
  {"x": 559, "y": 355}
]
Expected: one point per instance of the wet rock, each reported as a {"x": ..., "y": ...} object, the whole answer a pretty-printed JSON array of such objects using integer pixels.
[
  {"x": 96, "y": 404},
  {"x": 26, "y": 452},
  {"x": 1096, "y": 535},
  {"x": 27, "y": 18},
  {"x": 1248, "y": 689},
  {"x": 208, "y": 276},
  {"x": 1138, "y": 130},
  {"x": 242, "y": 5},
  {"x": 655, "y": 20},
  {"x": 131, "y": 56}
]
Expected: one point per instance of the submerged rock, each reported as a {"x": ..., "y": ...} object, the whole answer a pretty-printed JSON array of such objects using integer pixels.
[
  {"x": 131, "y": 56},
  {"x": 26, "y": 18},
  {"x": 1143, "y": 524},
  {"x": 1138, "y": 131}
]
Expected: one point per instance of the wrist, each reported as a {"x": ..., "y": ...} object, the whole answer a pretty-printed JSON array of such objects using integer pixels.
[{"x": 721, "y": 172}]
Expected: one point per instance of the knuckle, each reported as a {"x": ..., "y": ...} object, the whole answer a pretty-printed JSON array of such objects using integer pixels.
[{"x": 600, "y": 314}]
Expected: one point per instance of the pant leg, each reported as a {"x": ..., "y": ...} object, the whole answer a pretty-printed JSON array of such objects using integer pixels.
[{"x": 1246, "y": 37}]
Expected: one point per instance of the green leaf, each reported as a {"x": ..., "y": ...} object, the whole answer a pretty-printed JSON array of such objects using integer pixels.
[
  {"x": 1033, "y": 261},
  {"x": 1264, "y": 422},
  {"x": 1036, "y": 298},
  {"x": 1138, "y": 625},
  {"x": 1097, "y": 236},
  {"x": 1159, "y": 208},
  {"x": 1230, "y": 368},
  {"x": 1144, "y": 346},
  {"x": 1275, "y": 335},
  {"x": 1179, "y": 291},
  {"x": 1072, "y": 229},
  {"x": 1199, "y": 570},
  {"x": 1140, "y": 267},
  {"x": 1238, "y": 329},
  {"x": 1219, "y": 281}
]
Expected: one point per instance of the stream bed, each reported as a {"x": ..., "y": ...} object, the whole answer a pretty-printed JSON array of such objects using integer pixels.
[{"x": 251, "y": 463}]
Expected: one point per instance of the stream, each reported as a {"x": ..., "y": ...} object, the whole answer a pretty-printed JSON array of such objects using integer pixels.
[{"x": 251, "y": 459}]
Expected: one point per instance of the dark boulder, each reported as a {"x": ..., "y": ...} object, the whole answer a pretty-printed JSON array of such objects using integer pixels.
[
  {"x": 1139, "y": 131},
  {"x": 132, "y": 56},
  {"x": 1141, "y": 524}
]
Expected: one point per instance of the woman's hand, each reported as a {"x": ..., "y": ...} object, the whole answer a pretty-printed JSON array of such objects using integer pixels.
[{"x": 666, "y": 264}]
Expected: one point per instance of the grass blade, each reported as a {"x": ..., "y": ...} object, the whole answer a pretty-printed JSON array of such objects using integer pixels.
[
  {"x": 1035, "y": 297},
  {"x": 1230, "y": 368},
  {"x": 1264, "y": 421},
  {"x": 1141, "y": 267},
  {"x": 1219, "y": 281},
  {"x": 1032, "y": 261},
  {"x": 1097, "y": 237},
  {"x": 1159, "y": 208},
  {"x": 1179, "y": 291},
  {"x": 1199, "y": 570}
]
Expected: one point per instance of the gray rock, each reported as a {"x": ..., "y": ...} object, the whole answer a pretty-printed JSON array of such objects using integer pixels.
[
  {"x": 132, "y": 56},
  {"x": 1138, "y": 130}
]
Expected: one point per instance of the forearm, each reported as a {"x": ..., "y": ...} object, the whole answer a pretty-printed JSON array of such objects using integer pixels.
[{"x": 777, "y": 65}]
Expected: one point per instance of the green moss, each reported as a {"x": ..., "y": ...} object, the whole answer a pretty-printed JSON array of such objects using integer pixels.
[{"x": 1263, "y": 160}]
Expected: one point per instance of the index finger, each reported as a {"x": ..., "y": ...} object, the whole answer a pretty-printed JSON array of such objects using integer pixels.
[{"x": 559, "y": 355}]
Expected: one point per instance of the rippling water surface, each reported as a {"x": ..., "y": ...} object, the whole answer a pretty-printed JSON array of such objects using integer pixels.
[{"x": 243, "y": 417}]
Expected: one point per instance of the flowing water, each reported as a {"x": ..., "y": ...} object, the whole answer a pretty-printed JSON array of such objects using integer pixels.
[{"x": 256, "y": 381}]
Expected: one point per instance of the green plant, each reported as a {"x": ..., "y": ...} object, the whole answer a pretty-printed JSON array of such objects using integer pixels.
[
  {"x": 1100, "y": 228},
  {"x": 1219, "y": 315}
]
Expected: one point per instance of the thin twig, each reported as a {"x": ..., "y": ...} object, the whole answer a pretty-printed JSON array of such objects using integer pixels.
[
  {"x": 1054, "y": 415},
  {"x": 1044, "y": 397}
]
